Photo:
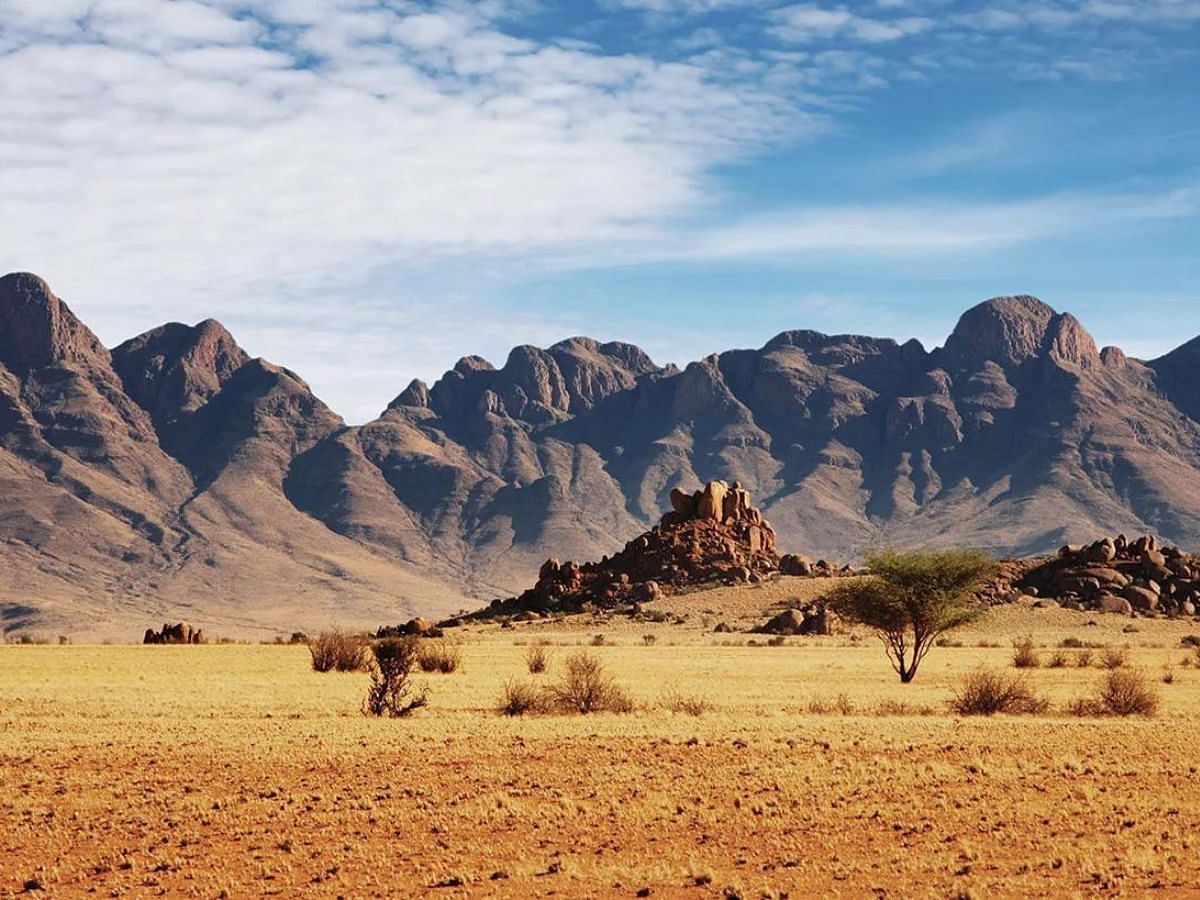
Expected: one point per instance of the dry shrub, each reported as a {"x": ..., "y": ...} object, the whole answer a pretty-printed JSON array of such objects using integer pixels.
[
  {"x": 392, "y": 692},
  {"x": 1083, "y": 659},
  {"x": 585, "y": 687},
  {"x": 1114, "y": 657},
  {"x": 985, "y": 693},
  {"x": 1122, "y": 692},
  {"x": 1125, "y": 692},
  {"x": 537, "y": 660},
  {"x": 519, "y": 698},
  {"x": 439, "y": 657},
  {"x": 686, "y": 704},
  {"x": 1024, "y": 656},
  {"x": 339, "y": 651},
  {"x": 841, "y": 704},
  {"x": 1058, "y": 660}
]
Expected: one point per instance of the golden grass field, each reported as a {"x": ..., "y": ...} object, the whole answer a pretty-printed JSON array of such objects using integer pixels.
[{"x": 236, "y": 771}]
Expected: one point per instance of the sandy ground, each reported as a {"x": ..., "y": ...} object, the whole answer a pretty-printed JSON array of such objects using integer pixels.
[{"x": 236, "y": 771}]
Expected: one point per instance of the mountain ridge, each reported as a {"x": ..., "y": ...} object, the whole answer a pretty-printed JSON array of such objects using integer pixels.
[{"x": 188, "y": 477}]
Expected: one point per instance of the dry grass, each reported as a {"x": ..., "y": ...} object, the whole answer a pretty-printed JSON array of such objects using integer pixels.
[
  {"x": 440, "y": 657},
  {"x": 537, "y": 659},
  {"x": 236, "y": 770},
  {"x": 520, "y": 698},
  {"x": 1024, "y": 655},
  {"x": 339, "y": 651}
]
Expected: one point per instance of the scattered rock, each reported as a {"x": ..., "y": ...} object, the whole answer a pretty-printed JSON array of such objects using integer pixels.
[
  {"x": 1120, "y": 576},
  {"x": 174, "y": 634},
  {"x": 814, "y": 619}
]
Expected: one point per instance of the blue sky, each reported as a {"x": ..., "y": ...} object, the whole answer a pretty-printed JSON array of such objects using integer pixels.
[{"x": 365, "y": 191}]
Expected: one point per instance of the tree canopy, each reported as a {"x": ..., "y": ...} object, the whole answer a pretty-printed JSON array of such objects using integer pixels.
[{"x": 911, "y": 598}]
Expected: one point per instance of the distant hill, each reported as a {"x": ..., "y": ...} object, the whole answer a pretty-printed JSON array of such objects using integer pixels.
[{"x": 174, "y": 477}]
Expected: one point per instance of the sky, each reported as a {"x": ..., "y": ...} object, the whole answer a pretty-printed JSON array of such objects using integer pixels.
[{"x": 366, "y": 190}]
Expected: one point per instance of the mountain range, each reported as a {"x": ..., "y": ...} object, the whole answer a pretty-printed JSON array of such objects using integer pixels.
[{"x": 175, "y": 477}]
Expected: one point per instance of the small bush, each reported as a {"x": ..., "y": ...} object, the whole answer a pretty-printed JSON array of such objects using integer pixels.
[
  {"x": 537, "y": 660},
  {"x": 1072, "y": 643},
  {"x": 1024, "y": 656},
  {"x": 985, "y": 693},
  {"x": 1123, "y": 692},
  {"x": 687, "y": 704},
  {"x": 520, "y": 698},
  {"x": 392, "y": 692},
  {"x": 1058, "y": 660},
  {"x": 339, "y": 651},
  {"x": 1113, "y": 658},
  {"x": 439, "y": 657},
  {"x": 778, "y": 640},
  {"x": 585, "y": 687},
  {"x": 1083, "y": 659},
  {"x": 1126, "y": 693},
  {"x": 1190, "y": 640}
]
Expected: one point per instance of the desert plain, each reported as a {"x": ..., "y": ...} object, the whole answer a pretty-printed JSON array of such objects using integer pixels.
[{"x": 234, "y": 770}]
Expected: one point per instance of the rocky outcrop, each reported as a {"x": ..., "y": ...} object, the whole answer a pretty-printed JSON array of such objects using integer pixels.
[
  {"x": 712, "y": 536},
  {"x": 1120, "y": 575}
]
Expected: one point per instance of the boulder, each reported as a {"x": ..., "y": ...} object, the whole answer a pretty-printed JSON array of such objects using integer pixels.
[
  {"x": 790, "y": 621},
  {"x": 712, "y": 501},
  {"x": 1102, "y": 552},
  {"x": 1140, "y": 598},
  {"x": 1153, "y": 558},
  {"x": 1111, "y": 603},
  {"x": 683, "y": 504},
  {"x": 418, "y": 626},
  {"x": 795, "y": 565}
]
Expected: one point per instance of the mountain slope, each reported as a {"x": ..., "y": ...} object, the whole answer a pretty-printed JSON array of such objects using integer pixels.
[
  {"x": 149, "y": 483},
  {"x": 177, "y": 477}
]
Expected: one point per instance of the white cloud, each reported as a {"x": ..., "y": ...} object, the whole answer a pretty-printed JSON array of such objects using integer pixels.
[
  {"x": 266, "y": 160},
  {"x": 808, "y": 23},
  {"x": 916, "y": 230}
]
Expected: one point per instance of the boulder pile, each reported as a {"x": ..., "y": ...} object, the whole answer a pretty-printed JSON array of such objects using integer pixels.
[
  {"x": 1120, "y": 576},
  {"x": 815, "y": 618},
  {"x": 174, "y": 634},
  {"x": 712, "y": 536}
]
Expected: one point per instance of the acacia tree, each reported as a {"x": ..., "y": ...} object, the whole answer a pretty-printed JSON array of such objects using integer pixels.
[{"x": 910, "y": 599}]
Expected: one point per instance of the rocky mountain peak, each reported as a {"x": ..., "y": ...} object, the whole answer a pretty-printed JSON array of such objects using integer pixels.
[
  {"x": 177, "y": 368},
  {"x": 37, "y": 329},
  {"x": 416, "y": 394},
  {"x": 1069, "y": 342},
  {"x": 1006, "y": 330}
]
